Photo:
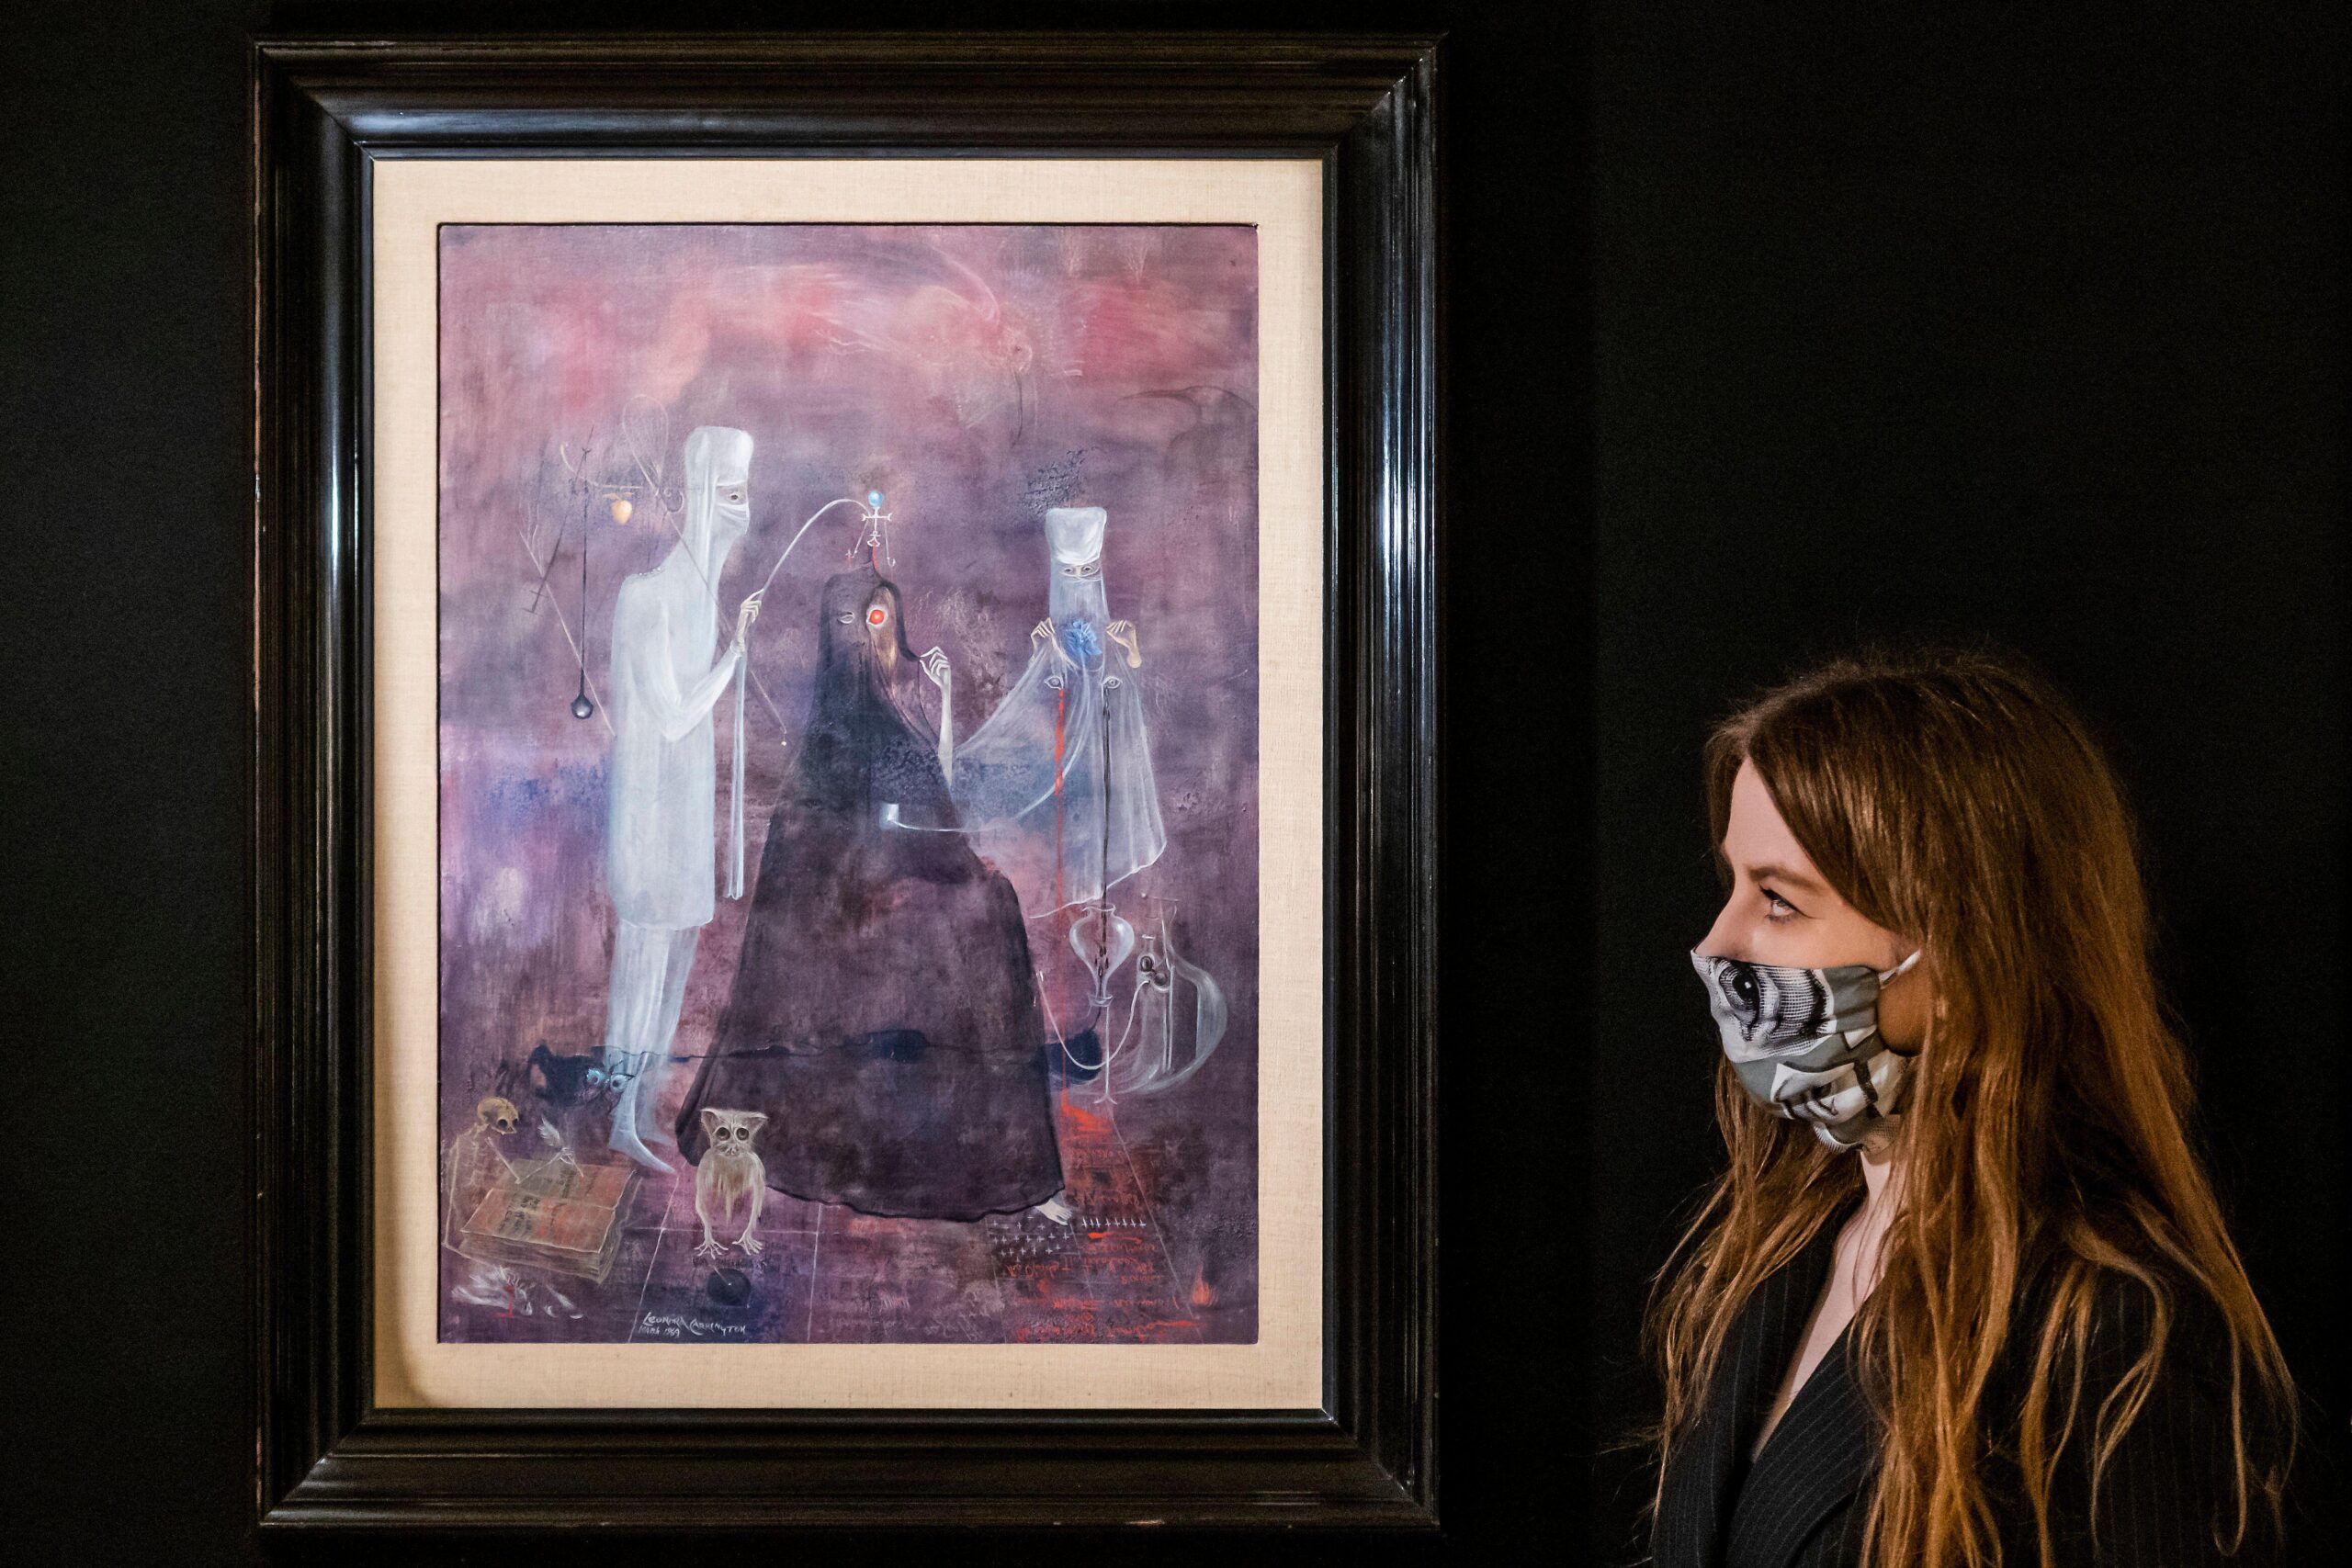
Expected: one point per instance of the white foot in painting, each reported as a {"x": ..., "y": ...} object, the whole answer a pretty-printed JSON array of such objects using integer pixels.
[
  {"x": 624, "y": 1136},
  {"x": 627, "y": 1143}
]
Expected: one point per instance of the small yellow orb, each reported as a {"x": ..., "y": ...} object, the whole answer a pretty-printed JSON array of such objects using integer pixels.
[{"x": 621, "y": 509}]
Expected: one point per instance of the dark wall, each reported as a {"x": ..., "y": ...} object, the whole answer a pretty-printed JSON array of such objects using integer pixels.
[
  {"x": 2016, "y": 331},
  {"x": 2024, "y": 330},
  {"x": 127, "y": 428}
]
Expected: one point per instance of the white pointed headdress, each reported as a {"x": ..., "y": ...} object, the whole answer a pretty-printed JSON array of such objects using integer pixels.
[{"x": 1075, "y": 532}]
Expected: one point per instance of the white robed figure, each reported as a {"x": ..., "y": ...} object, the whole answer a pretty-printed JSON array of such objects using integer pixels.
[
  {"x": 662, "y": 838},
  {"x": 1063, "y": 761}
]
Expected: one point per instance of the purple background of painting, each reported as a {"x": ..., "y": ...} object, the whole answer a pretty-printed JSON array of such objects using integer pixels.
[{"x": 956, "y": 368}]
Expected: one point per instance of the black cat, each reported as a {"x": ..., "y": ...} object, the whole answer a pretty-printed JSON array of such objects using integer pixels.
[{"x": 565, "y": 1081}]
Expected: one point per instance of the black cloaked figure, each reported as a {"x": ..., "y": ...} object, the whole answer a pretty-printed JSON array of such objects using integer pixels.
[{"x": 885, "y": 1012}]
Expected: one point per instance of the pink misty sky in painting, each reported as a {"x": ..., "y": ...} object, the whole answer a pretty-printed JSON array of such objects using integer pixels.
[{"x": 893, "y": 1018}]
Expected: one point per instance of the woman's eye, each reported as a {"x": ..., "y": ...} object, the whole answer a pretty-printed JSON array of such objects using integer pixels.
[{"x": 1774, "y": 904}]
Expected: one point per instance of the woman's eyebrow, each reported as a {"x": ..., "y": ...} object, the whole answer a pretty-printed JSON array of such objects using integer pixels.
[{"x": 1781, "y": 873}]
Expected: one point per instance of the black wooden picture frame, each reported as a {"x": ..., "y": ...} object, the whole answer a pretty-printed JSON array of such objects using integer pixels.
[{"x": 322, "y": 112}]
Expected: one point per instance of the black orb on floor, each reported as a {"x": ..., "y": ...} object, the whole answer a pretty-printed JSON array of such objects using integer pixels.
[{"x": 728, "y": 1287}]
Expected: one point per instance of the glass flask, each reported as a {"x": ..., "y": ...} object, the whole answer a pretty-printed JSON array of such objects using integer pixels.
[
  {"x": 1101, "y": 938},
  {"x": 1166, "y": 1041}
]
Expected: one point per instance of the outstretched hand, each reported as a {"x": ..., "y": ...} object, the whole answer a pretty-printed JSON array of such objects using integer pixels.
[
  {"x": 746, "y": 616},
  {"x": 1043, "y": 632}
]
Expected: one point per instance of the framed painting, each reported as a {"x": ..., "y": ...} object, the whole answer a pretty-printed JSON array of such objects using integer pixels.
[{"x": 844, "y": 850}]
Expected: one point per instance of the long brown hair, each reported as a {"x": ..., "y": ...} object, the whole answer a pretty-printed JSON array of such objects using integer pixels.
[{"x": 1953, "y": 796}]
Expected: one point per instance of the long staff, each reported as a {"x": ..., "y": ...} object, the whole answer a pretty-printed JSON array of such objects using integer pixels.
[{"x": 735, "y": 857}]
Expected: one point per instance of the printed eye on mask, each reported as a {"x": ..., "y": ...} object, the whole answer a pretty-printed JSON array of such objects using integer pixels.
[{"x": 1805, "y": 1042}]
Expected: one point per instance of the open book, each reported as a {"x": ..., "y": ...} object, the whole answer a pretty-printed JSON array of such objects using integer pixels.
[{"x": 559, "y": 1213}]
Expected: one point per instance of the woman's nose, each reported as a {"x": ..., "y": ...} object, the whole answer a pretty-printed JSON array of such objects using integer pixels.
[{"x": 1721, "y": 937}]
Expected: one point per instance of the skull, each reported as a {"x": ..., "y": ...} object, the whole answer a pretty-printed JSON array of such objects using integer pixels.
[{"x": 497, "y": 1114}]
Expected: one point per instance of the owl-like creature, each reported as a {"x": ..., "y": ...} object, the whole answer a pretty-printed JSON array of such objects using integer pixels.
[{"x": 730, "y": 1170}]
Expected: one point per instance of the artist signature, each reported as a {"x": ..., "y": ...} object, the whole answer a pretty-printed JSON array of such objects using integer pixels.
[{"x": 677, "y": 1326}]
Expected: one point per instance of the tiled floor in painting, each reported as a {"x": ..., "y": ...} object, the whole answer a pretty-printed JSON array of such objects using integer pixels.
[{"x": 825, "y": 1273}]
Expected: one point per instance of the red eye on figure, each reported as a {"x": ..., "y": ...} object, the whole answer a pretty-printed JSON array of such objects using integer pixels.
[{"x": 877, "y": 615}]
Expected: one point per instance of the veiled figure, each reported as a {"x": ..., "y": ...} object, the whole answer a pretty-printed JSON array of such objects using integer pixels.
[
  {"x": 1060, "y": 775},
  {"x": 884, "y": 1013}
]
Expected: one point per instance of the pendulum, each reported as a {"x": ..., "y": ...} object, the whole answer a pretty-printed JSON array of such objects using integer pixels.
[
  {"x": 581, "y": 706},
  {"x": 873, "y": 541}
]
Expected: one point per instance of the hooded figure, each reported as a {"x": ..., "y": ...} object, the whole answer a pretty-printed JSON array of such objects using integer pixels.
[
  {"x": 1063, "y": 761},
  {"x": 663, "y": 783},
  {"x": 883, "y": 1014}
]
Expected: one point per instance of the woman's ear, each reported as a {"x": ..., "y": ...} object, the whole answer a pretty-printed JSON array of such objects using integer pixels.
[{"x": 1904, "y": 1004}]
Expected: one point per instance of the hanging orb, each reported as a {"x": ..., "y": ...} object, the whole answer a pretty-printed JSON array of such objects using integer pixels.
[
  {"x": 581, "y": 708},
  {"x": 621, "y": 509}
]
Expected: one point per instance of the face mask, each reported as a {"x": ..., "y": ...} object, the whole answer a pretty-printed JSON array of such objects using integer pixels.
[{"x": 1806, "y": 1045}]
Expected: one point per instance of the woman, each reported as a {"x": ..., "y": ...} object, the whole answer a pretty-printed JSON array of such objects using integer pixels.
[
  {"x": 1961, "y": 1215},
  {"x": 884, "y": 1015}
]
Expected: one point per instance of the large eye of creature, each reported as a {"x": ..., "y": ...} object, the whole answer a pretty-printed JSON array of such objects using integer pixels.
[
  {"x": 1743, "y": 987},
  {"x": 876, "y": 616},
  {"x": 1774, "y": 1002}
]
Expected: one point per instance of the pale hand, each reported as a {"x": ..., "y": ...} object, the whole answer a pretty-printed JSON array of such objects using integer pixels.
[{"x": 1045, "y": 630}]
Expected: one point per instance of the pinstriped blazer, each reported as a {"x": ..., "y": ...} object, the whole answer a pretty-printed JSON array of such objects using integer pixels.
[{"x": 1802, "y": 1502}]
